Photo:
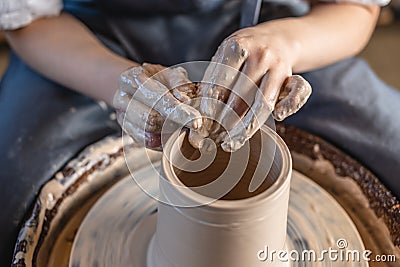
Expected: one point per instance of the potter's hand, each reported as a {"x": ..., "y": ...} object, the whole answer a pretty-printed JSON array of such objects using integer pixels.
[
  {"x": 147, "y": 95},
  {"x": 266, "y": 59}
]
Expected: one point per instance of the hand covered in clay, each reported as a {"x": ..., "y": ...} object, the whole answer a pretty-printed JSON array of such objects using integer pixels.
[
  {"x": 233, "y": 106},
  {"x": 147, "y": 95}
]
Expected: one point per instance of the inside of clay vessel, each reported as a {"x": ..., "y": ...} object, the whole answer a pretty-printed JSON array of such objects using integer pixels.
[{"x": 268, "y": 165}]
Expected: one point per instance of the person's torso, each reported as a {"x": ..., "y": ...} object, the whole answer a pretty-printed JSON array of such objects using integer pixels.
[{"x": 163, "y": 31}]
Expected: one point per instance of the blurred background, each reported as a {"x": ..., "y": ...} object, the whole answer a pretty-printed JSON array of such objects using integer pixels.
[{"x": 382, "y": 52}]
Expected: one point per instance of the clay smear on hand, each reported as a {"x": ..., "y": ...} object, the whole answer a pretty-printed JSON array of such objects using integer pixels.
[
  {"x": 149, "y": 94},
  {"x": 239, "y": 123}
]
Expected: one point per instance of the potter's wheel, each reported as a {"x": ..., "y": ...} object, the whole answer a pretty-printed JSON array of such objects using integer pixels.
[
  {"x": 118, "y": 228},
  {"x": 48, "y": 235}
]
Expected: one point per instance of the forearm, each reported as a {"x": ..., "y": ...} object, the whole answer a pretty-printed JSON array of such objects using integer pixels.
[
  {"x": 65, "y": 51},
  {"x": 329, "y": 33}
]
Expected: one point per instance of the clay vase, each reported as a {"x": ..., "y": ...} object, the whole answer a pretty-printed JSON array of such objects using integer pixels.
[{"x": 208, "y": 216}]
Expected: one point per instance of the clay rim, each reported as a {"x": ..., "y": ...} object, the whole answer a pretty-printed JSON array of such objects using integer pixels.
[{"x": 196, "y": 199}]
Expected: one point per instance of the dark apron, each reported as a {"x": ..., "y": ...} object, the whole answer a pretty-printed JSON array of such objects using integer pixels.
[{"x": 44, "y": 124}]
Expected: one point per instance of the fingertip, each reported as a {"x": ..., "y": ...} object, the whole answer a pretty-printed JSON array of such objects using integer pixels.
[
  {"x": 279, "y": 114},
  {"x": 196, "y": 123},
  {"x": 183, "y": 115},
  {"x": 153, "y": 140},
  {"x": 195, "y": 138},
  {"x": 121, "y": 100},
  {"x": 231, "y": 146},
  {"x": 195, "y": 120}
]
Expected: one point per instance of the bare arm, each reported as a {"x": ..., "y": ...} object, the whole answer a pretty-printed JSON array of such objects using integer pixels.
[
  {"x": 329, "y": 33},
  {"x": 65, "y": 51}
]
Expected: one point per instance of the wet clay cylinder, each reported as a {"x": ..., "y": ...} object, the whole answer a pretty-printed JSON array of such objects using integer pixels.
[{"x": 221, "y": 209}]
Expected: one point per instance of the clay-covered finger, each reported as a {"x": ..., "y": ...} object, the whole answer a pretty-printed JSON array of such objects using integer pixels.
[
  {"x": 242, "y": 94},
  {"x": 259, "y": 112},
  {"x": 138, "y": 113},
  {"x": 152, "y": 69},
  {"x": 218, "y": 100},
  {"x": 225, "y": 64},
  {"x": 137, "y": 133},
  {"x": 143, "y": 116},
  {"x": 177, "y": 80},
  {"x": 155, "y": 95},
  {"x": 127, "y": 81},
  {"x": 196, "y": 137},
  {"x": 149, "y": 140},
  {"x": 121, "y": 100},
  {"x": 237, "y": 136},
  {"x": 210, "y": 106},
  {"x": 221, "y": 74},
  {"x": 217, "y": 81},
  {"x": 294, "y": 94}
]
